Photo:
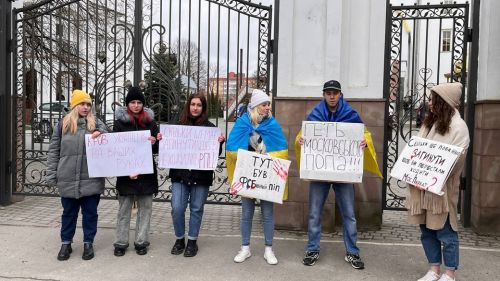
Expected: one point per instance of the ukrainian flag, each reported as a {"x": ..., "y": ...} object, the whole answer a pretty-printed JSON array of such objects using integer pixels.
[{"x": 272, "y": 136}]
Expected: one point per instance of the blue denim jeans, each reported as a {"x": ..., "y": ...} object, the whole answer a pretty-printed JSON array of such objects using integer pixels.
[
  {"x": 247, "y": 211},
  {"x": 432, "y": 240},
  {"x": 71, "y": 208},
  {"x": 197, "y": 196},
  {"x": 344, "y": 198}
]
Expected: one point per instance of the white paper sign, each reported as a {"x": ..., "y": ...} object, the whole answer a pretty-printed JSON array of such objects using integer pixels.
[
  {"x": 189, "y": 147},
  {"x": 119, "y": 154},
  {"x": 332, "y": 151},
  {"x": 260, "y": 176},
  {"x": 426, "y": 163}
]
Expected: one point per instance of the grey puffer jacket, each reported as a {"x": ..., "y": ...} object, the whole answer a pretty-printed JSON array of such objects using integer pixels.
[{"x": 67, "y": 163}]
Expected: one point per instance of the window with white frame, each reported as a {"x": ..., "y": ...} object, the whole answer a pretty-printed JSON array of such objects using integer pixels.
[{"x": 446, "y": 41}]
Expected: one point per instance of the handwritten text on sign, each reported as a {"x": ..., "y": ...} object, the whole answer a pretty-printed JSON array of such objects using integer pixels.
[
  {"x": 260, "y": 176},
  {"x": 426, "y": 164},
  {"x": 119, "y": 154},
  {"x": 189, "y": 147},
  {"x": 332, "y": 151}
]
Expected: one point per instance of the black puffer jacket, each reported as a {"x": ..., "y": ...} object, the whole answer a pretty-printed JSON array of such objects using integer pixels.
[
  {"x": 194, "y": 177},
  {"x": 146, "y": 183}
]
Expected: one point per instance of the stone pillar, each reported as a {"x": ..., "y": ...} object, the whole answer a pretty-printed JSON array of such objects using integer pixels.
[
  {"x": 293, "y": 213},
  {"x": 485, "y": 212},
  {"x": 320, "y": 40}
]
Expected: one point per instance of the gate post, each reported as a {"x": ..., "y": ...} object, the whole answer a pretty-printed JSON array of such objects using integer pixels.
[
  {"x": 138, "y": 42},
  {"x": 5, "y": 102}
]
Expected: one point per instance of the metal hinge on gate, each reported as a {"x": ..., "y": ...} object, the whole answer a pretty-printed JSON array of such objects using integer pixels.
[
  {"x": 10, "y": 45},
  {"x": 469, "y": 35}
]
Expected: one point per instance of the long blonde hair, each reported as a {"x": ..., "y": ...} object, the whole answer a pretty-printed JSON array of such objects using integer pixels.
[
  {"x": 254, "y": 115},
  {"x": 70, "y": 121}
]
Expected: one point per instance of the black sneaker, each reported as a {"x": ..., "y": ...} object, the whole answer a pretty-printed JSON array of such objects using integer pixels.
[
  {"x": 178, "y": 247},
  {"x": 310, "y": 258},
  {"x": 355, "y": 261}
]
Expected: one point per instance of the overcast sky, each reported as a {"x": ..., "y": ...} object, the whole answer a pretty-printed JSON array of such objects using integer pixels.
[{"x": 209, "y": 41}]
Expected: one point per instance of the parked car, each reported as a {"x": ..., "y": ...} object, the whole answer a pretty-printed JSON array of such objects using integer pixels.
[
  {"x": 53, "y": 111},
  {"x": 46, "y": 119}
]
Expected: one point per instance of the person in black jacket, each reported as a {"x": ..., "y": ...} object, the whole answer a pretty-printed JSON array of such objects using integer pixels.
[
  {"x": 190, "y": 185},
  {"x": 141, "y": 188}
]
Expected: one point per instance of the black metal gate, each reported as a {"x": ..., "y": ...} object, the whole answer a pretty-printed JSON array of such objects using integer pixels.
[
  {"x": 5, "y": 103},
  {"x": 169, "y": 48},
  {"x": 425, "y": 45}
]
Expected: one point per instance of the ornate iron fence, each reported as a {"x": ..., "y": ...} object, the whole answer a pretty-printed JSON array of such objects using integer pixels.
[
  {"x": 169, "y": 48},
  {"x": 425, "y": 45}
]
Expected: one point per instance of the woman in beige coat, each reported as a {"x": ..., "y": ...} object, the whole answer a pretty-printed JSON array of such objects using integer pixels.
[{"x": 437, "y": 215}]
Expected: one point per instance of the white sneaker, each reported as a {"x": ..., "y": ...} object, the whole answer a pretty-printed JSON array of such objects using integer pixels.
[
  {"x": 270, "y": 257},
  {"x": 445, "y": 277},
  {"x": 243, "y": 254},
  {"x": 430, "y": 276}
]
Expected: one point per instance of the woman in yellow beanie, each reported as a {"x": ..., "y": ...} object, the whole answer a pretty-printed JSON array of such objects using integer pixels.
[{"x": 67, "y": 169}]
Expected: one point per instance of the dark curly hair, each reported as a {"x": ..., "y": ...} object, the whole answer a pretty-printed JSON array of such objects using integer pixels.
[{"x": 440, "y": 115}]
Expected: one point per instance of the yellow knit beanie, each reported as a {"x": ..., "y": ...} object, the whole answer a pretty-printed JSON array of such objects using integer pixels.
[{"x": 78, "y": 97}]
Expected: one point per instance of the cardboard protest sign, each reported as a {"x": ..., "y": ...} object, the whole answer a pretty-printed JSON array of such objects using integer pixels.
[
  {"x": 119, "y": 154},
  {"x": 260, "y": 176},
  {"x": 426, "y": 163},
  {"x": 332, "y": 151},
  {"x": 189, "y": 147}
]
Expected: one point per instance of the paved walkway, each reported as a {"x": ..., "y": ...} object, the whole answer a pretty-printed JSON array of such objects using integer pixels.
[
  {"x": 29, "y": 242},
  {"x": 220, "y": 219}
]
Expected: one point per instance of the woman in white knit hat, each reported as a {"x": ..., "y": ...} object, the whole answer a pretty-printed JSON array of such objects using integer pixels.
[
  {"x": 437, "y": 215},
  {"x": 256, "y": 131}
]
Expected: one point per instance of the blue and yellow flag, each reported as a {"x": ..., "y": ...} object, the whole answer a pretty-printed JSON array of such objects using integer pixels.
[{"x": 272, "y": 136}]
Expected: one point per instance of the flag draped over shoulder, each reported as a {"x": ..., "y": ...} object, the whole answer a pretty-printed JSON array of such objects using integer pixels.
[
  {"x": 344, "y": 113},
  {"x": 271, "y": 134}
]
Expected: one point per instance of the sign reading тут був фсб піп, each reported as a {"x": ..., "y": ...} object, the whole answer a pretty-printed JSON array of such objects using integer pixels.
[
  {"x": 119, "y": 154},
  {"x": 189, "y": 147},
  {"x": 426, "y": 164},
  {"x": 332, "y": 151},
  {"x": 260, "y": 176}
]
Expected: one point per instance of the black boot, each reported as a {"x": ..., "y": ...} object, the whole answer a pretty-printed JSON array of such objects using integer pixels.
[
  {"x": 141, "y": 249},
  {"x": 191, "y": 248},
  {"x": 65, "y": 252},
  {"x": 119, "y": 251},
  {"x": 88, "y": 251},
  {"x": 178, "y": 247}
]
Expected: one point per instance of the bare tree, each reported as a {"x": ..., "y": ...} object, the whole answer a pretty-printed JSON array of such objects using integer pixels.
[
  {"x": 190, "y": 62},
  {"x": 70, "y": 40}
]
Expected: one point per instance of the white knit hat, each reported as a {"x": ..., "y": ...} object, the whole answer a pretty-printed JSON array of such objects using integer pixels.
[
  {"x": 450, "y": 92},
  {"x": 258, "y": 97}
]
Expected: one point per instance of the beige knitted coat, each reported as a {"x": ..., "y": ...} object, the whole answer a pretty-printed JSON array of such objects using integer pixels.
[{"x": 425, "y": 207}]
